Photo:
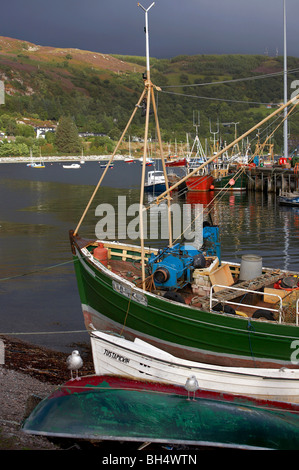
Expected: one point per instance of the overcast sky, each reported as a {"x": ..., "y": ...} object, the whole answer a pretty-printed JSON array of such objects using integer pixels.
[{"x": 176, "y": 26}]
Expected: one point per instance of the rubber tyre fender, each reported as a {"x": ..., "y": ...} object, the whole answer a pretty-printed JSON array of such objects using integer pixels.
[
  {"x": 175, "y": 296},
  {"x": 266, "y": 314},
  {"x": 224, "y": 309}
]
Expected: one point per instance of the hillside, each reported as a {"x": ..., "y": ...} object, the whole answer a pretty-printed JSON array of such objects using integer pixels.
[{"x": 100, "y": 91}]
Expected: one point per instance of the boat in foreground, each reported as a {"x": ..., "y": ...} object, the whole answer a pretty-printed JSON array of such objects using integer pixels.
[
  {"x": 205, "y": 314},
  {"x": 118, "y": 409},
  {"x": 137, "y": 359}
]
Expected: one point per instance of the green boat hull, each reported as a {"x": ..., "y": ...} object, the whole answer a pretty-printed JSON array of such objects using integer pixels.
[
  {"x": 239, "y": 184},
  {"x": 110, "y": 303},
  {"x": 112, "y": 408}
]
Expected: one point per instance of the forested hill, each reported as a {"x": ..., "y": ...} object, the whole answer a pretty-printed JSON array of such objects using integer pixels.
[{"x": 99, "y": 91}]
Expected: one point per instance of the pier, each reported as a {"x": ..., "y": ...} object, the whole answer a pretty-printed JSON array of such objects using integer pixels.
[{"x": 272, "y": 179}]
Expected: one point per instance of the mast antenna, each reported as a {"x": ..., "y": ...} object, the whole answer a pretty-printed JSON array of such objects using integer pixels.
[
  {"x": 285, "y": 81},
  {"x": 146, "y": 10}
]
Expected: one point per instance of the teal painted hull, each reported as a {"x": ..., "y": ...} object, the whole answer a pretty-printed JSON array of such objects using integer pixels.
[
  {"x": 112, "y": 408},
  {"x": 111, "y": 304}
]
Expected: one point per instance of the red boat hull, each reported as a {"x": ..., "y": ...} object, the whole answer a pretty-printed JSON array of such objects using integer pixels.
[
  {"x": 200, "y": 183},
  {"x": 180, "y": 162}
]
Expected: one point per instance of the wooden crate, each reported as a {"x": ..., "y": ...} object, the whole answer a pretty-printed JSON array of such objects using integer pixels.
[
  {"x": 273, "y": 300},
  {"x": 222, "y": 276}
]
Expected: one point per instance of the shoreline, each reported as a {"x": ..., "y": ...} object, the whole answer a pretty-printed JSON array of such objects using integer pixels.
[
  {"x": 30, "y": 373},
  {"x": 56, "y": 158}
]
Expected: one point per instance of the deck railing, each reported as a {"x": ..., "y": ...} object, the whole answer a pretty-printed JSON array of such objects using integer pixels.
[{"x": 247, "y": 291}]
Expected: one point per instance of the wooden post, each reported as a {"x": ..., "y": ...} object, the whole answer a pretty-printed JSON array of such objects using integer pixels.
[
  {"x": 163, "y": 166},
  {"x": 142, "y": 184}
]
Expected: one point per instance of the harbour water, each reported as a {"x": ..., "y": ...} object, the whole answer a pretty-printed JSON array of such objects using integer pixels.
[{"x": 39, "y": 296}]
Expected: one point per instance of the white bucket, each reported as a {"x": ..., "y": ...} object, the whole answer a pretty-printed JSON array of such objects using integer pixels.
[{"x": 251, "y": 267}]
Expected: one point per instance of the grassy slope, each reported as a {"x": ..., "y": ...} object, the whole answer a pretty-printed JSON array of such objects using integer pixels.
[{"x": 100, "y": 91}]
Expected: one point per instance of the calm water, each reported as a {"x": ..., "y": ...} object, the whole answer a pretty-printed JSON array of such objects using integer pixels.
[{"x": 39, "y": 206}]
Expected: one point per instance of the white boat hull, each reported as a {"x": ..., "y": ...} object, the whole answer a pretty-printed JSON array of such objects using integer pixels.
[
  {"x": 73, "y": 166},
  {"x": 115, "y": 355}
]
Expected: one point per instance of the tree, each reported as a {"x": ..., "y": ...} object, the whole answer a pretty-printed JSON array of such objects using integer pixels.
[{"x": 67, "y": 139}]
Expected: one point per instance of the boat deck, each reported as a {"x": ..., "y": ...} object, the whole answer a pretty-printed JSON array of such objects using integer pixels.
[{"x": 131, "y": 270}]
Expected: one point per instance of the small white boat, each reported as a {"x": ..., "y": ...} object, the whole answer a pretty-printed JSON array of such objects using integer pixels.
[
  {"x": 148, "y": 162},
  {"x": 289, "y": 198},
  {"x": 72, "y": 166},
  {"x": 36, "y": 165},
  {"x": 115, "y": 355},
  {"x": 103, "y": 165}
]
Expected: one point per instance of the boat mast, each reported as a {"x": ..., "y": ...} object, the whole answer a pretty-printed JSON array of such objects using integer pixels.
[
  {"x": 148, "y": 94},
  {"x": 285, "y": 76},
  {"x": 150, "y": 97}
]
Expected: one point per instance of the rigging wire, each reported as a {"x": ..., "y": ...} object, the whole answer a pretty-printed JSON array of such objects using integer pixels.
[
  {"x": 217, "y": 99},
  {"x": 233, "y": 80}
]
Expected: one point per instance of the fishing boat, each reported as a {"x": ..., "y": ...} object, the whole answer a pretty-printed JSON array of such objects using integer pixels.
[
  {"x": 115, "y": 355},
  {"x": 72, "y": 166},
  {"x": 176, "y": 162},
  {"x": 225, "y": 178},
  {"x": 200, "y": 183},
  {"x": 201, "y": 180},
  {"x": 185, "y": 299},
  {"x": 111, "y": 408},
  {"x": 155, "y": 182},
  {"x": 289, "y": 198},
  {"x": 178, "y": 308}
]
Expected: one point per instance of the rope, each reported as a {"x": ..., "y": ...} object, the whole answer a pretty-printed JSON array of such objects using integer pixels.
[
  {"x": 249, "y": 329},
  {"x": 36, "y": 272},
  {"x": 42, "y": 333},
  {"x": 47, "y": 268},
  {"x": 127, "y": 313}
]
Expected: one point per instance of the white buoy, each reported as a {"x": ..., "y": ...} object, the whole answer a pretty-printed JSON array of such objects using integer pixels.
[
  {"x": 74, "y": 363},
  {"x": 191, "y": 385}
]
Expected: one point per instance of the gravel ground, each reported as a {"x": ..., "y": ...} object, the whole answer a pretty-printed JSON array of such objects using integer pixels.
[{"x": 29, "y": 372}]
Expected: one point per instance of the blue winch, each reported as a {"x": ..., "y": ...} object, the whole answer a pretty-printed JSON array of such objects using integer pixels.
[{"x": 172, "y": 267}]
